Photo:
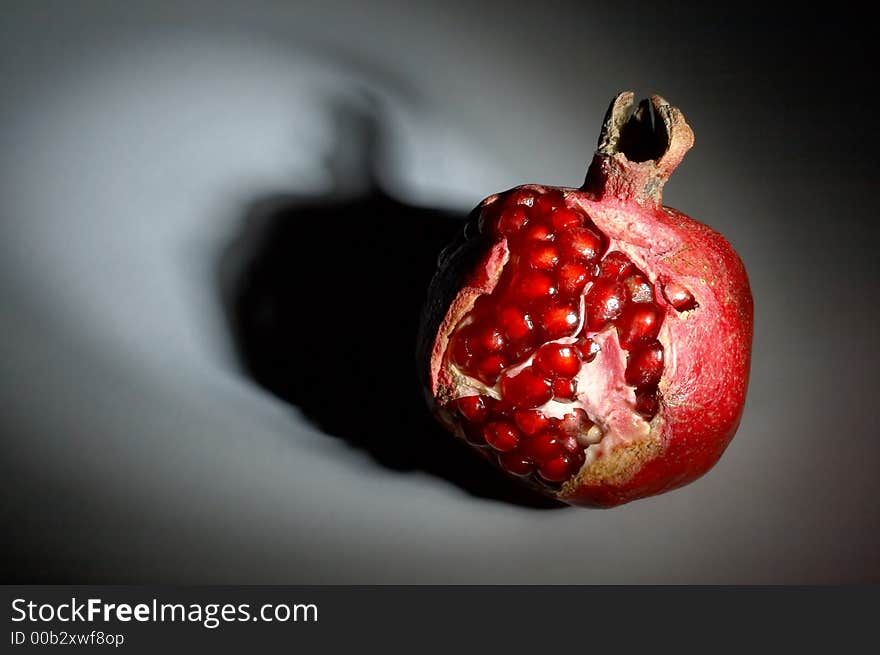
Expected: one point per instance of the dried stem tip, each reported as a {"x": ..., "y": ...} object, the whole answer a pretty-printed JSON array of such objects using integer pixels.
[{"x": 638, "y": 150}]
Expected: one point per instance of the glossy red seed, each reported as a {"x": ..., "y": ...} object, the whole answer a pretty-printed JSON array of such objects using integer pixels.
[
  {"x": 489, "y": 368},
  {"x": 572, "y": 278},
  {"x": 512, "y": 221},
  {"x": 536, "y": 231},
  {"x": 547, "y": 202},
  {"x": 532, "y": 285},
  {"x": 559, "y": 321},
  {"x": 525, "y": 390},
  {"x": 502, "y": 436},
  {"x": 556, "y": 469},
  {"x": 564, "y": 218},
  {"x": 530, "y": 421},
  {"x": 461, "y": 350},
  {"x": 645, "y": 365},
  {"x": 521, "y": 351},
  {"x": 679, "y": 297},
  {"x": 483, "y": 306},
  {"x": 639, "y": 323},
  {"x": 565, "y": 389},
  {"x": 515, "y": 323},
  {"x": 587, "y": 348},
  {"x": 488, "y": 339},
  {"x": 515, "y": 464},
  {"x": 639, "y": 289},
  {"x": 557, "y": 360},
  {"x": 473, "y": 408},
  {"x": 576, "y": 459},
  {"x": 605, "y": 301},
  {"x": 647, "y": 402},
  {"x": 580, "y": 244},
  {"x": 568, "y": 444},
  {"x": 542, "y": 256},
  {"x": 615, "y": 265},
  {"x": 520, "y": 197},
  {"x": 543, "y": 447}
]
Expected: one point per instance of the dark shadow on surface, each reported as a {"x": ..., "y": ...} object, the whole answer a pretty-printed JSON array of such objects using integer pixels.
[{"x": 323, "y": 295}]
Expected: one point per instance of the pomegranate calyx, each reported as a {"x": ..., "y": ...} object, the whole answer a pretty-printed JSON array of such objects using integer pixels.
[{"x": 638, "y": 150}]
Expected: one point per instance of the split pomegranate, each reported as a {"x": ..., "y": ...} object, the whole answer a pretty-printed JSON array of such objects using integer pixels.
[{"x": 591, "y": 342}]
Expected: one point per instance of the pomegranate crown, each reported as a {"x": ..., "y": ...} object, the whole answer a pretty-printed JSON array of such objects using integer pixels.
[{"x": 638, "y": 150}]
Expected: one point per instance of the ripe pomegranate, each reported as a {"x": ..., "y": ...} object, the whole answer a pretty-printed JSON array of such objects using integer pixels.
[{"x": 591, "y": 342}]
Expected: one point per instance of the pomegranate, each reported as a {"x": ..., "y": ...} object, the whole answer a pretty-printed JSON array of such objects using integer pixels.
[{"x": 591, "y": 342}]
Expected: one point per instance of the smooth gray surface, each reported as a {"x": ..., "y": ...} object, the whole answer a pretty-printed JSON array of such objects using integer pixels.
[{"x": 134, "y": 135}]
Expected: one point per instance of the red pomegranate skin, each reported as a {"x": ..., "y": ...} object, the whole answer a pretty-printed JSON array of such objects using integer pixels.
[{"x": 700, "y": 287}]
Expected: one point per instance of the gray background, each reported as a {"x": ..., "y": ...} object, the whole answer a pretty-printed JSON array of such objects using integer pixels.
[{"x": 135, "y": 141}]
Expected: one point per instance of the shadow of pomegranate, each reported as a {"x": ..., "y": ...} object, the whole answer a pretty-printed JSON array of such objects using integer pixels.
[{"x": 323, "y": 296}]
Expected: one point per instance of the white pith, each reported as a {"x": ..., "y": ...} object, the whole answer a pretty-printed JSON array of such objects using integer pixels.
[{"x": 602, "y": 393}]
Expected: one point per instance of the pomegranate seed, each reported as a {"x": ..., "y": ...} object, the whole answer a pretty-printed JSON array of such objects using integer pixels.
[
  {"x": 556, "y": 469},
  {"x": 537, "y": 232},
  {"x": 524, "y": 197},
  {"x": 569, "y": 444},
  {"x": 487, "y": 340},
  {"x": 489, "y": 369},
  {"x": 638, "y": 323},
  {"x": 521, "y": 351},
  {"x": 572, "y": 278},
  {"x": 543, "y": 256},
  {"x": 515, "y": 464},
  {"x": 473, "y": 408},
  {"x": 543, "y": 447},
  {"x": 564, "y": 218},
  {"x": 483, "y": 307},
  {"x": 533, "y": 285},
  {"x": 645, "y": 366},
  {"x": 530, "y": 421},
  {"x": 565, "y": 389},
  {"x": 647, "y": 402},
  {"x": 559, "y": 321},
  {"x": 639, "y": 289},
  {"x": 502, "y": 436},
  {"x": 580, "y": 244},
  {"x": 461, "y": 350},
  {"x": 547, "y": 202},
  {"x": 516, "y": 324},
  {"x": 557, "y": 360},
  {"x": 587, "y": 348},
  {"x": 679, "y": 297},
  {"x": 511, "y": 221},
  {"x": 615, "y": 266},
  {"x": 604, "y": 301},
  {"x": 526, "y": 390}
]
